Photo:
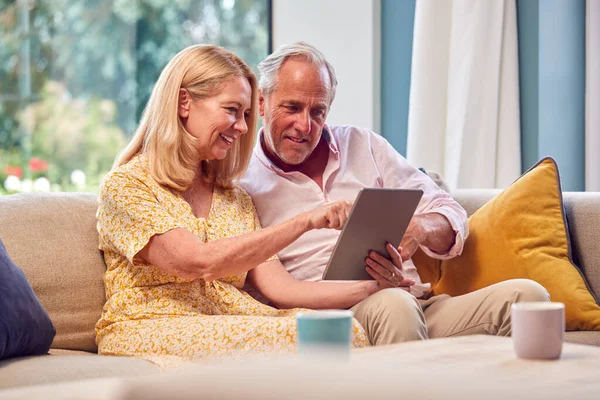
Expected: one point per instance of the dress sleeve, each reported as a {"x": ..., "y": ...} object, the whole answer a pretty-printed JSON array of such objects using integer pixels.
[{"x": 129, "y": 214}]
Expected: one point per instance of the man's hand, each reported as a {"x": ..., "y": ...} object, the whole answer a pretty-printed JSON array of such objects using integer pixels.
[
  {"x": 432, "y": 230},
  {"x": 413, "y": 237},
  {"x": 387, "y": 273}
]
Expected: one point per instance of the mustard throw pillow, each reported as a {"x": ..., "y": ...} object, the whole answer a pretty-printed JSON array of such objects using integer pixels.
[{"x": 521, "y": 233}]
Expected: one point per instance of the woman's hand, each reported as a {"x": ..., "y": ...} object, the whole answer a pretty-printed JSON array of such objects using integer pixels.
[
  {"x": 330, "y": 216},
  {"x": 387, "y": 273}
]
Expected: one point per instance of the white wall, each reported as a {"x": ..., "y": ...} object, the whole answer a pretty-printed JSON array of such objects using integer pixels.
[{"x": 348, "y": 32}]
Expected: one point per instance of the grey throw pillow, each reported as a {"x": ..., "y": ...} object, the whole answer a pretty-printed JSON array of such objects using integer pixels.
[
  {"x": 25, "y": 327},
  {"x": 437, "y": 178}
]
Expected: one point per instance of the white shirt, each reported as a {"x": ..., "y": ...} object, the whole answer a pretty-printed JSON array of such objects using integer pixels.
[{"x": 358, "y": 158}]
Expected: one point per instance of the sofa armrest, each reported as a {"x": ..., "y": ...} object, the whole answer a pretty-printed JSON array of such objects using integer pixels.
[{"x": 583, "y": 216}]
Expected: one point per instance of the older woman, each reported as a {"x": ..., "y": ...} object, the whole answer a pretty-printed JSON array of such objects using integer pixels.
[{"x": 179, "y": 236}]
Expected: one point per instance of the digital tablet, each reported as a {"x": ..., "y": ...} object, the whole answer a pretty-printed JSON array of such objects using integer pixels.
[{"x": 377, "y": 217}]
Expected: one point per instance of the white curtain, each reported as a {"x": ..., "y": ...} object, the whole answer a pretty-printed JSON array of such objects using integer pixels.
[
  {"x": 592, "y": 96},
  {"x": 464, "y": 97}
]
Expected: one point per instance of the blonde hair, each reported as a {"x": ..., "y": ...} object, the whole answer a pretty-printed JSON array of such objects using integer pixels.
[{"x": 170, "y": 149}]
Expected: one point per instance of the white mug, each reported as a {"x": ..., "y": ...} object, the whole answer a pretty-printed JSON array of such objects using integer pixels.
[{"x": 538, "y": 329}]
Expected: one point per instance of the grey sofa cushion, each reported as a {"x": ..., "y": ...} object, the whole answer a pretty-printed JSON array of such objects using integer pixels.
[{"x": 25, "y": 327}]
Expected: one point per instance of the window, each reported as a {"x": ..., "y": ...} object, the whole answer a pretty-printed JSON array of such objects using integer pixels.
[{"x": 75, "y": 76}]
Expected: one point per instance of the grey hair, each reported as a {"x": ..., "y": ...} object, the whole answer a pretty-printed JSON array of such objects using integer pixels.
[{"x": 270, "y": 66}]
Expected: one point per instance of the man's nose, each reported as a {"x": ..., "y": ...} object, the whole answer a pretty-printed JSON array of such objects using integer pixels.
[{"x": 303, "y": 123}]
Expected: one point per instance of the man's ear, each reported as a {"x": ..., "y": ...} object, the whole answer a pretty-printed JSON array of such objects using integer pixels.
[
  {"x": 183, "y": 106},
  {"x": 261, "y": 103}
]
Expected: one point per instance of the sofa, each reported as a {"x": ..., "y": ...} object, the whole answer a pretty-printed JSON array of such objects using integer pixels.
[{"x": 53, "y": 238}]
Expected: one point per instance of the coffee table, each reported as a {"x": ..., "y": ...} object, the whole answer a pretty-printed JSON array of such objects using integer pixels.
[
  {"x": 462, "y": 368},
  {"x": 468, "y": 367}
]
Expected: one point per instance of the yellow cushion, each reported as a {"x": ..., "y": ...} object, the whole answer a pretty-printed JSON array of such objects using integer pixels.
[{"x": 521, "y": 233}]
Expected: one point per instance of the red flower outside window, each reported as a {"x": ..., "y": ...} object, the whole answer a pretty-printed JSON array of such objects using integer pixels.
[
  {"x": 14, "y": 170},
  {"x": 38, "y": 165}
]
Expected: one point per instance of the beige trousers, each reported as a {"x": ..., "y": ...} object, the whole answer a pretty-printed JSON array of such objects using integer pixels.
[{"x": 394, "y": 315}]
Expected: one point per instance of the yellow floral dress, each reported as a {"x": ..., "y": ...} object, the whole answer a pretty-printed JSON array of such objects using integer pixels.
[{"x": 155, "y": 315}]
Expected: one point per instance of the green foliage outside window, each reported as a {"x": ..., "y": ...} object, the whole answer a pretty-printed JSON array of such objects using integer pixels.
[{"x": 75, "y": 76}]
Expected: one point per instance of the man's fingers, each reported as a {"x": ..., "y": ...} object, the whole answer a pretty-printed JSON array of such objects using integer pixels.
[
  {"x": 407, "y": 251},
  {"x": 405, "y": 256},
  {"x": 396, "y": 257}
]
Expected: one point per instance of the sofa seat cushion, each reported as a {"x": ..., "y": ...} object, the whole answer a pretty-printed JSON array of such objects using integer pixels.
[
  {"x": 85, "y": 389},
  {"x": 590, "y": 338},
  {"x": 47, "y": 369}
]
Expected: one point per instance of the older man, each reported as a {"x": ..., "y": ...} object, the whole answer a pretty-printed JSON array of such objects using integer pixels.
[{"x": 300, "y": 162}]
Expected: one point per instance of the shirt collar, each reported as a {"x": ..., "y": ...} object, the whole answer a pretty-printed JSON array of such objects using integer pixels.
[
  {"x": 260, "y": 152},
  {"x": 333, "y": 146}
]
